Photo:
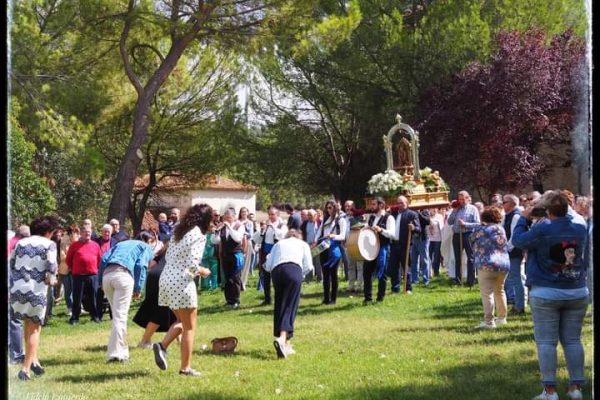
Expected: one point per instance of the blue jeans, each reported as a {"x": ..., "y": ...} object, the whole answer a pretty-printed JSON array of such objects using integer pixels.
[
  {"x": 516, "y": 283},
  {"x": 555, "y": 320},
  {"x": 419, "y": 259},
  {"x": 67, "y": 282},
  {"x": 15, "y": 351}
]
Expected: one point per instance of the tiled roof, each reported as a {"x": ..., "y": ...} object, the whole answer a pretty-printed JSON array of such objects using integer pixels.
[{"x": 181, "y": 182}]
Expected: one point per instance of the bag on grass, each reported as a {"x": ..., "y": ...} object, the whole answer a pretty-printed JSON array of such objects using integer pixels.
[{"x": 224, "y": 345}]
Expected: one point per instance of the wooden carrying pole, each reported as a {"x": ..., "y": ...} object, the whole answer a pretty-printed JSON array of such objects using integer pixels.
[
  {"x": 406, "y": 260},
  {"x": 459, "y": 274}
]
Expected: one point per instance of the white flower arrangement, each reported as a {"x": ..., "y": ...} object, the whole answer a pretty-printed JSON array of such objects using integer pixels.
[
  {"x": 385, "y": 183},
  {"x": 391, "y": 183}
]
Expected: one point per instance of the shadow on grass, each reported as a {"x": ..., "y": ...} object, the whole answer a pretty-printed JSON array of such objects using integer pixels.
[
  {"x": 51, "y": 362},
  {"x": 253, "y": 354},
  {"x": 204, "y": 395},
  {"x": 469, "y": 381},
  {"x": 95, "y": 349},
  {"x": 103, "y": 377}
]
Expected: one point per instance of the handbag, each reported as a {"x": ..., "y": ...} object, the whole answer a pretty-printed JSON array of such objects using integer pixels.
[{"x": 224, "y": 345}]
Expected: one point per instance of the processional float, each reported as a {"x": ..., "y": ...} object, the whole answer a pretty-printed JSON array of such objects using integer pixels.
[{"x": 424, "y": 188}]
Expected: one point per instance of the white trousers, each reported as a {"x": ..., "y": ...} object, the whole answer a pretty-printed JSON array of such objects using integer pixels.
[{"x": 118, "y": 288}]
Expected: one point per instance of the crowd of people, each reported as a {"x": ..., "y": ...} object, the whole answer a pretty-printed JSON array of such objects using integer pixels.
[{"x": 523, "y": 250}]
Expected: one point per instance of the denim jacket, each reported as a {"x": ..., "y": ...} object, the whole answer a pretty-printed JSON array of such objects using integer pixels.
[
  {"x": 131, "y": 254},
  {"x": 555, "y": 252}
]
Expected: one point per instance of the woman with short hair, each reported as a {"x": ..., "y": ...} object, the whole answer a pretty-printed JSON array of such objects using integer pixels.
[
  {"x": 33, "y": 266},
  {"x": 490, "y": 258},
  {"x": 556, "y": 273}
]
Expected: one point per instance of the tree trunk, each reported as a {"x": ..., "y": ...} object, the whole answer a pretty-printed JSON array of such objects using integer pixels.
[{"x": 119, "y": 204}]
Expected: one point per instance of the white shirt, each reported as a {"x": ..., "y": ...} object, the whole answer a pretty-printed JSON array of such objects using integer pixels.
[
  {"x": 390, "y": 225},
  {"x": 236, "y": 232},
  {"x": 434, "y": 229},
  {"x": 273, "y": 230},
  {"x": 513, "y": 223},
  {"x": 290, "y": 250},
  {"x": 329, "y": 225}
]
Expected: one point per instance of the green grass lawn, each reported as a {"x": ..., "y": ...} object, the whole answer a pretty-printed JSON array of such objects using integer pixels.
[{"x": 418, "y": 347}]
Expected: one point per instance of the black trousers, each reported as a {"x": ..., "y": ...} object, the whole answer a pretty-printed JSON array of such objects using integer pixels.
[
  {"x": 330, "y": 280},
  {"x": 233, "y": 281},
  {"x": 369, "y": 267},
  {"x": 396, "y": 266},
  {"x": 287, "y": 280},
  {"x": 265, "y": 279},
  {"x": 458, "y": 257},
  {"x": 435, "y": 256},
  {"x": 89, "y": 283}
]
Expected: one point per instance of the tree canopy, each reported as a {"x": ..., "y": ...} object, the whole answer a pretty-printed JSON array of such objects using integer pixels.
[{"x": 108, "y": 91}]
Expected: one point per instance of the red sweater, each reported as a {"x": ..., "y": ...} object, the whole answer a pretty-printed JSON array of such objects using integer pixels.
[{"x": 84, "y": 258}]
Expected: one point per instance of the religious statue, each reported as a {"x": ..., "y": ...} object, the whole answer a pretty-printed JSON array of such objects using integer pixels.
[{"x": 402, "y": 154}]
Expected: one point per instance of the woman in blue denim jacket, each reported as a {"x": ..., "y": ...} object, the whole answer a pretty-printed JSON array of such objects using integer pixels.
[
  {"x": 558, "y": 296},
  {"x": 490, "y": 258}
]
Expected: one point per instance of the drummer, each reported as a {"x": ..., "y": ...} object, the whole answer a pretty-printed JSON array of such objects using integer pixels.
[{"x": 385, "y": 226}]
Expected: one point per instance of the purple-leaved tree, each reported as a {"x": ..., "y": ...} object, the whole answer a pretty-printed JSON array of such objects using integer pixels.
[{"x": 484, "y": 129}]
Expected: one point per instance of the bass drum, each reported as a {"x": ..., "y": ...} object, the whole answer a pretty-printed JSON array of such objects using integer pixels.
[{"x": 363, "y": 244}]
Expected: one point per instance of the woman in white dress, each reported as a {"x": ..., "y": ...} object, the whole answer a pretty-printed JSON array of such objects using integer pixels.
[
  {"x": 177, "y": 289},
  {"x": 33, "y": 266}
]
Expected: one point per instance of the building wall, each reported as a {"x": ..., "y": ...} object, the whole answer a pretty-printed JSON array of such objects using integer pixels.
[
  {"x": 218, "y": 199},
  {"x": 223, "y": 199}
]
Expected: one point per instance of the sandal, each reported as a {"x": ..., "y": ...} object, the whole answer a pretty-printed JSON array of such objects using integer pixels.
[
  {"x": 189, "y": 372},
  {"x": 24, "y": 376}
]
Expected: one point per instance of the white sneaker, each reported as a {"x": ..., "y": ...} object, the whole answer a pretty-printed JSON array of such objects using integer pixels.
[
  {"x": 408, "y": 292},
  {"x": 289, "y": 349},
  {"x": 484, "y": 325},
  {"x": 500, "y": 321},
  {"x": 144, "y": 345},
  {"x": 575, "y": 394},
  {"x": 546, "y": 396}
]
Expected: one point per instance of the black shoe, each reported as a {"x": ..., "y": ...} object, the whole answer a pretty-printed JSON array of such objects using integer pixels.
[
  {"x": 24, "y": 376},
  {"x": 235, "y": 306},
  {"x": 97, "y": 320},
  {"x": 73, "y": 321},
  {"x": 326, "y": 302},
  {"x": 265, "y": 303},
  {"x": 516, "y": 311},
  {"x": 114, "y": 360},
  {"x": 367, "y": 302},
  {"x": 37, "y": 369},
  {"x": 160, "y": 356}
]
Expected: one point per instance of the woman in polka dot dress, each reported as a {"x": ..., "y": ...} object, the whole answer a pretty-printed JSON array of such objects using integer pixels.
[{"x": 177, "y": 289}]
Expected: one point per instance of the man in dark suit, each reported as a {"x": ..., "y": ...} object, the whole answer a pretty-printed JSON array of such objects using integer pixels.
[
  {"x": 294, "y": 220},
  {"x": 406, "y": 220}
]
